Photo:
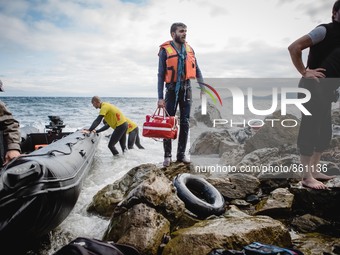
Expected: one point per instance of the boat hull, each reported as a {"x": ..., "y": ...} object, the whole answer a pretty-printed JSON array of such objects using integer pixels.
[{"x": 39, "y": 190}]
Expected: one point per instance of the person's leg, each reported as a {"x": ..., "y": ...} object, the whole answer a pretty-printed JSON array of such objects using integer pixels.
[
  {"x": 309, "y": 125},
  {"x": 185, "y": 108},
  {"x": 309, "y": 134},
  {"x": 116, "y": 136},
  {"x": 132, "y": 138},
  {"x": 122, "y": 140},
  {"x": 170, "y": 98},
  {"x": 317, "y": 169},
  {"x": 325, "y": 134},
  {"x": 111, "y": 145},
  {"x": 138, "y": 139},
  {"x": 307, "y": 179}
]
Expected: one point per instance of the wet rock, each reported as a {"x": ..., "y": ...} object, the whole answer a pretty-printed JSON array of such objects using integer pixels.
[
  {"x": 334, "y": 183},
  {"x": 105, "y": 201},
  {"x": 268, "y": 136},
  {"x": 233, "y": 232},
  {"x": 227, "y": 146},
  {"x": 335, "y": 142},
  {"x": 240, "y": 203},
  {"x": 243, "y": 134},
  {"x": 309, "y": 223},
  {"x": 208, "y": 119},
  {"x": 336, "y": 116},
  {"x": 232, "y": 157},
  {"x": 234, "y": 211},
  {"x": 281, "y": 167},
  {"x": 193, "y": 122},
  {"x": 236, "y": 186},
  {"x": 141, "y": 227},
  {"x": 320, "y": 203},
  {"x": 253, "y": 162},
  {"x": 279, "y": 203},
  {"x": 253, "y": 199},
  {"x": 175, "y": 169},
  {"x": 265, "y": 163},
  {"x": 157, "y": 192},
  {"x": 212, "y": 143},
  {"x": 268, "y": 185},
  {"x": 336, "y": 249},
  {"x": 316, "y": 244}
]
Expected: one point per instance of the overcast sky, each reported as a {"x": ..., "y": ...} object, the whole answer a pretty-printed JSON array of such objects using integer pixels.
[{"x": 109, "y": 47}]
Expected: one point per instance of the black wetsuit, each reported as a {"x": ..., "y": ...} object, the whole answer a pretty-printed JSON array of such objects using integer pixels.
[
  {"x": 134, "y": 139},
  {"x": 119, "y": 134}
]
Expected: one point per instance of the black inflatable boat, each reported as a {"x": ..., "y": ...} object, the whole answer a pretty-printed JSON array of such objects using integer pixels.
[{"x": 38, "y": 190}]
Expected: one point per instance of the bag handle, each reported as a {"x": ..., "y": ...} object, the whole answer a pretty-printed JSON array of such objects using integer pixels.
[{"x": 158, "y": 110}]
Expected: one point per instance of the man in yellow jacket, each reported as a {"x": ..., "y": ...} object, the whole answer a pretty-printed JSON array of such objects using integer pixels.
[{"x": 115, "y": 119}]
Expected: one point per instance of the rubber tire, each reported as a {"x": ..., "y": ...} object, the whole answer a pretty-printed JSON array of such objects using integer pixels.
[{"x": 212, "y": 202}]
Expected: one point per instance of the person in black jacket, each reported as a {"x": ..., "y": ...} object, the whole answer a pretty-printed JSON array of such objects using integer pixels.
[
  {"x": 177, "y": 65},
  {"x": 321, "y": 78}
]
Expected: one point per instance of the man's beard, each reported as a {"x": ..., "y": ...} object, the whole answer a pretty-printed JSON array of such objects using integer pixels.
[{"x": 178, "y": 39}]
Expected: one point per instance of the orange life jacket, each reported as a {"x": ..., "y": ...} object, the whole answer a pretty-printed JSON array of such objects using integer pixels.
[{"x": 172, "y": 63}]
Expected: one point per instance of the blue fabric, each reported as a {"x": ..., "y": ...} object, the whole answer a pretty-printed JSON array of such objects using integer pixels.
[{"x": 182, "y": 54}]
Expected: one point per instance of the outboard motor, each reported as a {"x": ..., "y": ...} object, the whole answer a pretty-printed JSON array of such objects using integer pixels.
[{"x": 56, "y": 124}]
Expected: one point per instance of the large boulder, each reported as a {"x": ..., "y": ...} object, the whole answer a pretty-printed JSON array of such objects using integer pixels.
[
  {"x": 309, "y": 223},
  {"x": 233, "y": 233},
  {"x": 236, "y": 186},
  {"x": 105, "y": 201},
  {"x": 140, "y": 226},
  {"x": 208, "y": 119},
  {"x": 321, "y": 203},
  {"x": 213, "y": 143},
  {"x": 146, "y": 213},
  {"x": 263, "y": 163},
  {"x": 157, "y": 192},
  {"x": 278, "y": 204},
  {"x": 273, "y": 135}
]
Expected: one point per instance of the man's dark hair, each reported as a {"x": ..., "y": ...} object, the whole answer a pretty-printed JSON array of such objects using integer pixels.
[
  {"x": 336, "y": 7},
  {"x": 174, "y": 26}
]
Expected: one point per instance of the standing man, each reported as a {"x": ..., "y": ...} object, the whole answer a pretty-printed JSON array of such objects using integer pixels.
[
  {"x": 10, "y": 134},
  {"x": 114, "y": 119},
  {"x": 177, "y": 65},
  {"x": 323, "y": 62}
]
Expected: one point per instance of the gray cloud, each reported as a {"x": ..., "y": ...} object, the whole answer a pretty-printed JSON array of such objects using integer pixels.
[{"x": 110, "y": 47}]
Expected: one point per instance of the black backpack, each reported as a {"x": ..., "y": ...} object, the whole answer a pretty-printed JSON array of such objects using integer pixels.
[
  {"x": 90, "y": 246},
  {"x": 257, "y": 248}
]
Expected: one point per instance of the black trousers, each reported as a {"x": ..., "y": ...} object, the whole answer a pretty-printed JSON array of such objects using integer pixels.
[{"x": 184, "y": 103}]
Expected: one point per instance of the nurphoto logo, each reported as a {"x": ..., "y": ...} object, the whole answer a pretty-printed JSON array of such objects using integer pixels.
[{"x": 238, "y": 98}]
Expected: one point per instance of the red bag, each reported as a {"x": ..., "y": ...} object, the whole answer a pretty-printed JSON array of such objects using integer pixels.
[{"x": 160, "y": 125}]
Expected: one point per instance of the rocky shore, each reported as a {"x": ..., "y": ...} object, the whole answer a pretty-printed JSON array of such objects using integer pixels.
[
  {"x": 273, "y": 208},
  {"x": 145, "y": 212}
]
